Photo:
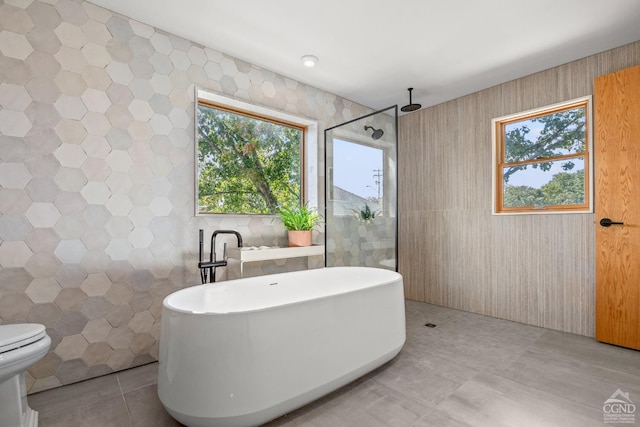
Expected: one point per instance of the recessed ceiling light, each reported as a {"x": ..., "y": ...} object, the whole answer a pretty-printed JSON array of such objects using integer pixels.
[{"x": 309, "y": 60}]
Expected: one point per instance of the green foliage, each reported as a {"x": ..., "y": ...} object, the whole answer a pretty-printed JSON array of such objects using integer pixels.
[
  {"x": 563, "y": 133},
  {"x": 246, "y": 165},
  {"x": 522, "y": 195},
  {"x": 299, "y": 217},
  {"x": 564, "y": 189},
  {"x": 366, "y": 214}
]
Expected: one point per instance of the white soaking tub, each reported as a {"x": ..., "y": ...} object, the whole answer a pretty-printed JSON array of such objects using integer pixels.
[{"x": 243, "y": 352}]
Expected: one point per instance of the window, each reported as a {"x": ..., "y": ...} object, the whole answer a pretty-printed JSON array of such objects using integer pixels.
[
  {"x": 249, "y": 160},
  {"x": 358, "y": 178},
  {"x": 542, "y": 160}
]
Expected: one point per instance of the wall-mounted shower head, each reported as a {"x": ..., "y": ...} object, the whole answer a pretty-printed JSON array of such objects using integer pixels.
[
  {"x": 411, "y": 106},
  {"x": 377, "y": 133}
]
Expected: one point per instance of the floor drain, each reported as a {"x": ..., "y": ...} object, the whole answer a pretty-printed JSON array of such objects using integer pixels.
[{"x": 429, "y": 325}]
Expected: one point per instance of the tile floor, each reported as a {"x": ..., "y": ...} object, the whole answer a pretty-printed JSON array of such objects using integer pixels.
[{"x": 468, "y": 371}]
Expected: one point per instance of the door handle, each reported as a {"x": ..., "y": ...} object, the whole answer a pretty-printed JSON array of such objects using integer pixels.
[{"x": 606, "y": 222}]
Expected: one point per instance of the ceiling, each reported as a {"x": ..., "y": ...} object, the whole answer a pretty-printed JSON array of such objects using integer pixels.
[{"x": 372, "y": 51}]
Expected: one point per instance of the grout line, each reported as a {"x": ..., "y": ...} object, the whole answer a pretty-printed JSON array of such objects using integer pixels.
[
  {"x": 119, "y": 385},
  {"x": 128, "y": 412},
  {"x": 125, "y": 402}
]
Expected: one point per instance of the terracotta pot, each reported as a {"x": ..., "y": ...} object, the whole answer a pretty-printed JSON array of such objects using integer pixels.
[{"x": 300, "y": 237}]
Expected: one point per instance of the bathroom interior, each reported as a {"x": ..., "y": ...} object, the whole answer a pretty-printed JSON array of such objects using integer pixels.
[{"x": 99, "y": 218}]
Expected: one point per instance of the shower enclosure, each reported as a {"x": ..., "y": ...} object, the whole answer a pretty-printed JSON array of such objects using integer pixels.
[{"x": 361, "y": 191}]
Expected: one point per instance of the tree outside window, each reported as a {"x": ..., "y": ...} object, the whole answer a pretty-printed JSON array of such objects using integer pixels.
[
  {"x": 542, "y": 160},
  {"x": 246, "y": 164}
]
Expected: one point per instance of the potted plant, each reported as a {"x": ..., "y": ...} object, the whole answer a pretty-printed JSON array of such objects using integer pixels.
[
  {"x": 300, "y": 222},
  {"x": 365, "y": 214}
]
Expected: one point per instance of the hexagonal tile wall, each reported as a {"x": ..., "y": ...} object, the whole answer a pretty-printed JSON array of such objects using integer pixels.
[{"x": 96, "y": 176}]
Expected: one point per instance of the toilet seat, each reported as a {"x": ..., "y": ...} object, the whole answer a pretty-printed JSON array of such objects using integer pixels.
[{"x": 20, "y": 335}]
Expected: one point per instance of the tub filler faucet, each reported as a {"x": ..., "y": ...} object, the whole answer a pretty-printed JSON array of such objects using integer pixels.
[{"x": 208, "y": 268}]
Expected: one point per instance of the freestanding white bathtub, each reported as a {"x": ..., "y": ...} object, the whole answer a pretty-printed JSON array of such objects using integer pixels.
[{"x": 243, "y": 352}]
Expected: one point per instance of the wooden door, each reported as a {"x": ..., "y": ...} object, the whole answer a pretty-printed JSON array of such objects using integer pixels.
[{"x": 617, "y": 188}]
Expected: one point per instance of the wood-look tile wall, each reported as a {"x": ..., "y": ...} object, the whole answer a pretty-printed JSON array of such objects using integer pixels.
[{"x": 534, "y": 269}]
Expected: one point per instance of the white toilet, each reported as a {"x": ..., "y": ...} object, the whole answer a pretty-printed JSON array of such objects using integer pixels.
[{"x": 21, "y": 346}]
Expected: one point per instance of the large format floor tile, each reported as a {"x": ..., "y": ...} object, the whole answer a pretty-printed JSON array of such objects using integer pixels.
[
  {"x": 83, "y": 394},
  {"x": 490, "y": 400},
  {"x": 468, "y": 371}
]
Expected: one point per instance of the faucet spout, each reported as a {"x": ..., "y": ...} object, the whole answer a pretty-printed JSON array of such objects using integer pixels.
[
  {"x": 234, "y": 232},
  {"x": 213, "y": 259}
]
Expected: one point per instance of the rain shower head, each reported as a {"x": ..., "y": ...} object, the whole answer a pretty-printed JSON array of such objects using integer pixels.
[
  {"x": 377, "y": 133},
  {"x": 411, "y": 106}
]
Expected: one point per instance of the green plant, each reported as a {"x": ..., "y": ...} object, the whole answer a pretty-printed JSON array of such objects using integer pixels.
[
  {"x": 299, "y": 217},
  {"x": 366, "y": 214}
]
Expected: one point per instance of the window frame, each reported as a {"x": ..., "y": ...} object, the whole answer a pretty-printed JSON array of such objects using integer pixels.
[
  {"x": 308, "y": 149},
  {"x": 498, "y": 140}
]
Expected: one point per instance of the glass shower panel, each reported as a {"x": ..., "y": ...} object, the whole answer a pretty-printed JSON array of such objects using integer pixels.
[{"x": 361, "y": 191}]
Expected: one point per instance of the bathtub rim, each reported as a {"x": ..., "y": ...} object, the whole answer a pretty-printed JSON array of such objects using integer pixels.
[{"x": 165, "y": 304}]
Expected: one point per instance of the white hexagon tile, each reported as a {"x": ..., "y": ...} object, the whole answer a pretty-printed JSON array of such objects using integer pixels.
[{"x": 96, "y": 170}]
